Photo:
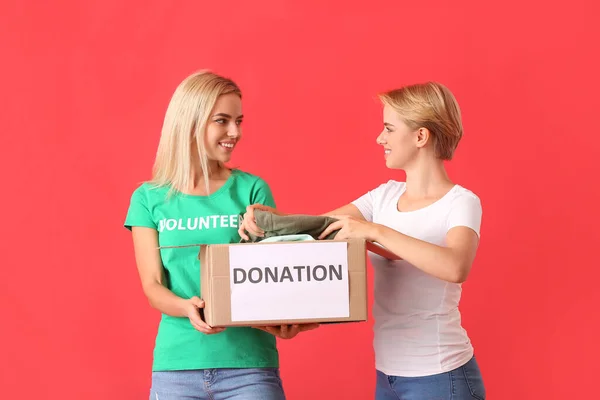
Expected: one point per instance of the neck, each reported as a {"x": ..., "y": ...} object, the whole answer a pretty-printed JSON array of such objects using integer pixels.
[
  {"x": 215, "y": 171},
  {"x": 427, "y": 178}
]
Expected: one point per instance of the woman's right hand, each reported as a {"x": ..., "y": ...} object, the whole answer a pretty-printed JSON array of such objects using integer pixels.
[
  {"x": 192, "y": 310},
  {"x": 248, "y": 223}
]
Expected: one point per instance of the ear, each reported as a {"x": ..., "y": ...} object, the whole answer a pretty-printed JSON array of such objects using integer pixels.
[{"x": 423, "y": 137}]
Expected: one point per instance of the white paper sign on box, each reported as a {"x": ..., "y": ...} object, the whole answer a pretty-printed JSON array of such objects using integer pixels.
[{"x": 289, "y": 281}]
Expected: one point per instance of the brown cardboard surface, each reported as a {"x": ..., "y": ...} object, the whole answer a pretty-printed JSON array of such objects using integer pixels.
[
  {"x": 382, "y": 251},
  {"x": 216, "y": 291}
]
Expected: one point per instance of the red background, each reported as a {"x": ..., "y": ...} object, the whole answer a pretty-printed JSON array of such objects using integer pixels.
[{"x": 84, "y": 89}]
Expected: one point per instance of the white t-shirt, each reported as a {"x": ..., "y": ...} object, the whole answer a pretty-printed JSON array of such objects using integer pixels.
[{"x": 418, "y": 328}]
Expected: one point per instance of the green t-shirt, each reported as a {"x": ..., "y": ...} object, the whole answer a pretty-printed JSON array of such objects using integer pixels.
[{"x": 188, "y": 219}]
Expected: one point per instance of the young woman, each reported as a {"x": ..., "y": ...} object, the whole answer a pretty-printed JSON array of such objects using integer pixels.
[
  {"x": 422, "y": 351},
  {"x": 194, "y": 198}
]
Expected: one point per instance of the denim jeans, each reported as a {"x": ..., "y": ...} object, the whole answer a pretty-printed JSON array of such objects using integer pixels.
[
  {"x": 217, "y": 384},
  {"x": 463, "y": 383}
]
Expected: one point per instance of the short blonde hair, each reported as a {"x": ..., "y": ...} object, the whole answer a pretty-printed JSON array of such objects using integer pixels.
[
  {"x": 185, "y": 122},
  {"x": 429, "y": 105}
]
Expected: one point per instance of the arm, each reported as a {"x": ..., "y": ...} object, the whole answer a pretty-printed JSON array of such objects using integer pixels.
[
  {"x": 361, "y": 209},
  {"x": 348, "y": 209},
  {"x": 151, "y": 272},
  {"x": 451, "y": 263},
  {"x": 249, "y": 223}
]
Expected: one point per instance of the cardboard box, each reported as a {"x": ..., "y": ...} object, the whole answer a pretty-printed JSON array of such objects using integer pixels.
[
  {"x": 253, "y": 284},
  {"x": 378, "y": 249}
]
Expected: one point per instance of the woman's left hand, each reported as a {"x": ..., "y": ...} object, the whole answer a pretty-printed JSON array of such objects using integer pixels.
[
  {"x": 287, "y": 331},
  {"x": 350, "y": 228}
]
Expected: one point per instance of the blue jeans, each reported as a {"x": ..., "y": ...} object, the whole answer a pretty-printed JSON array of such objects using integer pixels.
[
  {"x": 217, "y": 384},
  {"x": 463, "y": 383}
]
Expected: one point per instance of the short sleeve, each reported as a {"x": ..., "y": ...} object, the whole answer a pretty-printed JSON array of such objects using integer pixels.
[
  {"x": 466, "y": 211},
  {"x": 139, "y": 213},
  {"x": 366, "y": 202},
  {"x": 261, "y": 194}
]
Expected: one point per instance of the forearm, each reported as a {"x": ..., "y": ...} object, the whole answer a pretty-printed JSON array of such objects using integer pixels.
[
  {"x": 165, "y": 301},
  {"x": 348, "y": 209},
  {"x": 441, "y": 262}
]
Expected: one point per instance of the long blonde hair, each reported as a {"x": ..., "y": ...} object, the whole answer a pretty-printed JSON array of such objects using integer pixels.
[{"x": 185, "y": 123}]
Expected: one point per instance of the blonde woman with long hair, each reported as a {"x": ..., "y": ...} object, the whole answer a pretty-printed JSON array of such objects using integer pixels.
[
  {"x": 422, "y": 351},
  {"x": 194, "y": 198}
]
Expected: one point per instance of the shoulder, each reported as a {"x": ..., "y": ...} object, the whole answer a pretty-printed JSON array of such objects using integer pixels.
[
  {"x": 141, "y": 191},
  {"x": 147, "y": 192},
  {"x": 250, "y": 183},
  {"x": 390, "y": 187},
  {"x": 248, "y": 179},
  {"x": 255, "y": 187},
  {"x": 464, "y": 209},
  {"x": 394, "y": 185},
  {"x": 143, "y": 200},
  {"x": 462, "y": 196}
]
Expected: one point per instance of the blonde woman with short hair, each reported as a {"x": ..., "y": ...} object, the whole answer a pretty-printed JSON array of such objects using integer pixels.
[
  {"x": 422, "y": 351},
  {"x": 194, "y": 198}
]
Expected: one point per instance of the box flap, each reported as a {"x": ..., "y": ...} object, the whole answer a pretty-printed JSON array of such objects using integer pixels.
[{"x": 378, "y": 249}]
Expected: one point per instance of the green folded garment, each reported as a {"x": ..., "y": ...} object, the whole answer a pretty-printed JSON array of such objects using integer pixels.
[{"x": 283, "y": 225}]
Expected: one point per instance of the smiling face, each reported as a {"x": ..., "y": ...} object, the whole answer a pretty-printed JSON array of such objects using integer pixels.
[
  {"x": 224, "y": 128},
  {"x": 400, "y": 143},
  {"x": 421, "y": 121}
]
